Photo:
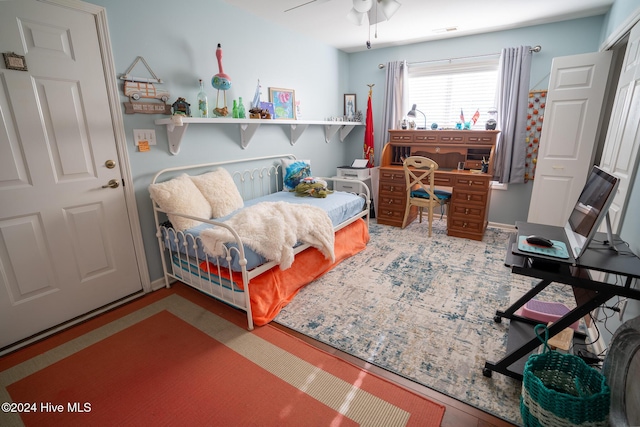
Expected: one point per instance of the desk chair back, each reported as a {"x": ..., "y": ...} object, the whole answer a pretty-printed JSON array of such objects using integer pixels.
[{"x": 420, "y": 187}]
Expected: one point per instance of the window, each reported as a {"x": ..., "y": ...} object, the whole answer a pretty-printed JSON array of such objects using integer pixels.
[{"x": 441, "y": 90}]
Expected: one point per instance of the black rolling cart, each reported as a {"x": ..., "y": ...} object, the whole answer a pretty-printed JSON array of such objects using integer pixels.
[{"x": 589, "y": 293}]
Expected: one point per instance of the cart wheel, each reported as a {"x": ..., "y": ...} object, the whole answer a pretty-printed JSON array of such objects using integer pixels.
[
  {"x": 486, "y": 372},
  {"x": 497, "y": 319}
]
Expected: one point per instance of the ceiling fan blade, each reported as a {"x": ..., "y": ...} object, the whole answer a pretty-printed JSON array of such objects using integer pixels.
[{"x": 306, "y": 3}]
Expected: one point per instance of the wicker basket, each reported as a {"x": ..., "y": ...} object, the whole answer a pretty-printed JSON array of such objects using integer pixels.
[{"x": 562, "y": 390}]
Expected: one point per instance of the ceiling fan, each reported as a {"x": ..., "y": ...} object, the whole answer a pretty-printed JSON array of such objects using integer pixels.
[
  {"x": 376, "y": 10},
  {"x": 306, "y": 3}
]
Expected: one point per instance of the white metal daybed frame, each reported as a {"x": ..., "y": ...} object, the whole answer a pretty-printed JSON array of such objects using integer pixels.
[{"x": 251, "y": 183}]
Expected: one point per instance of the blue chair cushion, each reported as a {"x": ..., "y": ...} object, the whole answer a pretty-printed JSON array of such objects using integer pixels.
[{"x": 440, "y": 194}]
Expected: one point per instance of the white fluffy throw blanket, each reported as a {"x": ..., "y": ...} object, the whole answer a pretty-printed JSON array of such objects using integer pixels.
[{"x": 273, "y": 228}]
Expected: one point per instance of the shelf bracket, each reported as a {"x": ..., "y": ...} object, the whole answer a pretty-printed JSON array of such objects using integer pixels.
[
  {"x": 174, "y": 135},
  {"x": 247, "y": 130},
  {"x": 329, "y": 131},
  {"x": 344, "y": 131},
  {"x": 296, "y": 131}
]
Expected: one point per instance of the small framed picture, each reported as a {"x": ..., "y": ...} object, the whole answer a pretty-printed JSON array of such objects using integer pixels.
[
  {"x": 284, "y": 102},
  {"x": 14, "y": 61},
  {"x": 269, "y": 107},
  {"x": 350, "y": 105}
]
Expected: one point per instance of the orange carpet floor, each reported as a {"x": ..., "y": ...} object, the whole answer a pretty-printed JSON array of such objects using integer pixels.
[{"x": 177, "y": 357}]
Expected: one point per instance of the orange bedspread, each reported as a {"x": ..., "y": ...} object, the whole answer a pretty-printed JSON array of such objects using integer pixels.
[{"x": 275, "y": 288}]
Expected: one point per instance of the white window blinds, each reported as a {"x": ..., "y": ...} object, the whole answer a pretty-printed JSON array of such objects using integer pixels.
[{"x": 441, "y": 90}]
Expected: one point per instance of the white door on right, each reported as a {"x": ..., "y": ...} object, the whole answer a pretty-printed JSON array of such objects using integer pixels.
[
  {"x": 620, "y": 152},
  {"x": 567, "y": 144}
]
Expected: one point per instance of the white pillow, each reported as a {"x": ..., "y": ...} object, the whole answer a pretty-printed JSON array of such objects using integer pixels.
[
  {"x": 220, "y": 191},
  {"x": 180, "y": 195},
  {"x": 293, "y": 172}
]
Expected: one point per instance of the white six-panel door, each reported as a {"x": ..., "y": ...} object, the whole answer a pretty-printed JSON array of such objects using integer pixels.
[
  {"x": 568, "y": 140},
  {"x": 66, "y": 247},
  {"x": 620, "y": 152}
]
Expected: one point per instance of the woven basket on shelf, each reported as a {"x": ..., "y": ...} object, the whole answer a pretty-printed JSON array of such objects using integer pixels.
[{"x": 562, "y": 390}]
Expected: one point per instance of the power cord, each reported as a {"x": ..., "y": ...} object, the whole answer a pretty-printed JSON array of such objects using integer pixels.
[{"x": 588, "y": 357}]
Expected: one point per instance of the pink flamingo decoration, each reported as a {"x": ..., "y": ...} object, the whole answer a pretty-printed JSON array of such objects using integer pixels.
[{"x": 221, "y": 82}]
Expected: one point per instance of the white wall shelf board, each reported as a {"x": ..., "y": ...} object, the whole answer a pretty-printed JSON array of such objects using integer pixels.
[{"x": 248, "y": 128}]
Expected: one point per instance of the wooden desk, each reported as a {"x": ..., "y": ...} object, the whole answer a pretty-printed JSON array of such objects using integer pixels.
[{"x": 469, "y": 207}]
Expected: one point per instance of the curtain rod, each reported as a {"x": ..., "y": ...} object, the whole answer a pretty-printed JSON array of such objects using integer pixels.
[{"x": 534, "y": 49}]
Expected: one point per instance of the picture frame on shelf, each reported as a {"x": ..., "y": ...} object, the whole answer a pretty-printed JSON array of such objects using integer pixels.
[
  {"x": 268, "y": 106},
  {"x": 350, "y": 107},
  {"x": 284, "y": 103}
]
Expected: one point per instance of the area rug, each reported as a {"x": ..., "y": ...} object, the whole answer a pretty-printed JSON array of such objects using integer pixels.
[
  {"x": 423, "y": 307},
  {"x": 173, "y": 362}
]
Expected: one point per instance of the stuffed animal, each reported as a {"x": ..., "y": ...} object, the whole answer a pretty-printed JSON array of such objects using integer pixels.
[{"x": 313, "y": 187}]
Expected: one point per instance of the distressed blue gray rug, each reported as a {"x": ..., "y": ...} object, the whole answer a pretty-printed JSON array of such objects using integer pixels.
[{"x": 423, "y": 308}]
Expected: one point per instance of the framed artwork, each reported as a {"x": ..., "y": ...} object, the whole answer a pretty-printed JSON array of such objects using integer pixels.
[
  {"x": 14, "y": 61},
  {"x": 269, "y": 107},
  {"x": 350, "y": 105},
  {"x": 284, "y": 103}
]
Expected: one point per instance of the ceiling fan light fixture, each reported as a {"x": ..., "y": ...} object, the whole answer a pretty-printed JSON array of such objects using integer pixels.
[
  {"x": 389, "y": 7},
  {"x": 375, "y": 16},
  {"x": 356, "y": 17},
  {"x": 362, "y": 6},
  {"x": 383, "y": 11}
]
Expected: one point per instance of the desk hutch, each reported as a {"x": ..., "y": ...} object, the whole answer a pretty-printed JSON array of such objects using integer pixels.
[{"x": 469, "y": 206}]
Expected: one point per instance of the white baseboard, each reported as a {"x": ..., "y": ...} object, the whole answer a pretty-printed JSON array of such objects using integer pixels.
[{"x": 158, "y": 284}]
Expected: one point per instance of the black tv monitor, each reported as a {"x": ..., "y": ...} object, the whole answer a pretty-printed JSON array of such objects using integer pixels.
[{"x": 591, "y": 209}]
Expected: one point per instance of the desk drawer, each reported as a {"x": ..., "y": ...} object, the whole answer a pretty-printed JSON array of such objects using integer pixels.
[
  {"x": 475, "y": 182},
  {"x": 393, "y": 201},
  {"x": 443, "y": 180},
  {"x": 393, "y": 187},
  {"x": 482, "y": 139},
  {"x": 389, "y": 214},
  {"x": 468, "y": 212},
  {"x": 465, "y": 197},
  {"x": 448, "y": 139},
  {"x": 408, "y": 137},
  {"x": 426, "y": 138},
  {"x": 393, "y": 175},
  {"x": 458, "y": 226},
  {"x": 351, "y": 187}
]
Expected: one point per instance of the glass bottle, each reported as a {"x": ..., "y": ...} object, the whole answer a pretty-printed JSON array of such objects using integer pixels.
[
  {"x": 242, "y": 114},
  {"x": 234, "y": 110},
  {"x": 203, "y": 103}
]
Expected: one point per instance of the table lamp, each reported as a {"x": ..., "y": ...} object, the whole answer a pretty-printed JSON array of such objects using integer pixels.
[{"x": 412, "y": 113}]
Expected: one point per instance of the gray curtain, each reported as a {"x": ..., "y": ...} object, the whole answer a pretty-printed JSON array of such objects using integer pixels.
[
  {"x": 394, "y": 105},
  {"x": 513, "y": 94}
]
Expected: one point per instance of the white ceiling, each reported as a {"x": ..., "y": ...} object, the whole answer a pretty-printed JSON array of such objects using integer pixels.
[{"x": 416, "y": 20}]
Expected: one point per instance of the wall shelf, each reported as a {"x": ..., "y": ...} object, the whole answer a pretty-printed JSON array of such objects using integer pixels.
[{"x": 248, "y": 127}]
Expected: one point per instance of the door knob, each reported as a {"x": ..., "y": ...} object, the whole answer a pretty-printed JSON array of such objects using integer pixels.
[
  {"x": 110, "y": 164},
  {"x": 113, "y": 183}
]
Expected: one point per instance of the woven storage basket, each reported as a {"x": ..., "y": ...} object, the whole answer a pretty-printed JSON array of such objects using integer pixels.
[{"x": 562, "y": 390}]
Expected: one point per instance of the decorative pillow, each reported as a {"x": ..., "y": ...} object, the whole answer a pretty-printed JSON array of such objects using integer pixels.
[
  {"x": 220, "y": 191},
  {"x": 180, "y": 195},
  {"x": 294, "y": 171}
]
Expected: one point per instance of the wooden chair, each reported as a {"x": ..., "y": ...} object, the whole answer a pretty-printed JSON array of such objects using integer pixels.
[{"x": 421, "y": 192}]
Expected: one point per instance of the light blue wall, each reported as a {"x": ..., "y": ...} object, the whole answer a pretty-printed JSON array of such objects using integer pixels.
[
  {"x": 558, "y": 39},
  {"x": 178, "y": 41},
  {"x": 618, "y": 15}
]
